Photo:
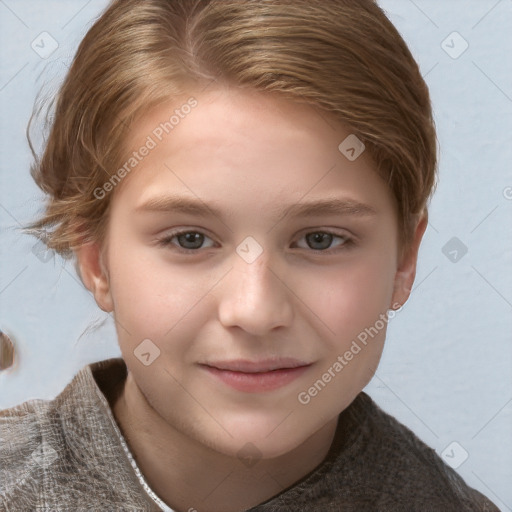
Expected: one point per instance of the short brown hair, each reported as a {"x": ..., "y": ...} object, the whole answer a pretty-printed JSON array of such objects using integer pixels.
[{"x": 342, "y": 56}]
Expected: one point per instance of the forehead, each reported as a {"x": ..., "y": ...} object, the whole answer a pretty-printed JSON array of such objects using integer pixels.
[
  {"x": 222, "y": 112},
  {"x": 235, "y": 140}
]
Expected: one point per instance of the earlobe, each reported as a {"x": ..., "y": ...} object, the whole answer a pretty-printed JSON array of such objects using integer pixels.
[
  {"x": 406, "y": 272},
  {"x": 94, "y": 275}
]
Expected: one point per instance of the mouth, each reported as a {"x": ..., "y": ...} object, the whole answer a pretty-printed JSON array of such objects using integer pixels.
[{"x": 257, "y": 376}]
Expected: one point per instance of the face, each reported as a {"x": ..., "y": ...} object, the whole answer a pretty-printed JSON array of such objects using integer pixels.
[{"x": 244, "y": 312}]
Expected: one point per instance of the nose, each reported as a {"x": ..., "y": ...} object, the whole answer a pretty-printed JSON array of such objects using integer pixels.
[{"x": 254, "y": 297}]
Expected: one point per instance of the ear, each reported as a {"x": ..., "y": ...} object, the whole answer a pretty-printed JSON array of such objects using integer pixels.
[
  {"x": 406, "y": 271},
  {"x": 94, "y": 275}
]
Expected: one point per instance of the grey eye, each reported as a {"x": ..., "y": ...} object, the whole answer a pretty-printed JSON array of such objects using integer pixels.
[{"x": 6, "y": 351}]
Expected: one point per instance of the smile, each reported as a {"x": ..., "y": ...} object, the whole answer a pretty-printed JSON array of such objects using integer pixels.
[{"x": 255, "y": 377}]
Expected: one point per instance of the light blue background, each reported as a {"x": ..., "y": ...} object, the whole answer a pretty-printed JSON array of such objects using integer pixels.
[{"x": 446, "y": 367}]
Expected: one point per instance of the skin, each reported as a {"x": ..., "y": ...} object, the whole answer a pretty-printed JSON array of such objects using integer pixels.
[{"x": 248, "y": 153}]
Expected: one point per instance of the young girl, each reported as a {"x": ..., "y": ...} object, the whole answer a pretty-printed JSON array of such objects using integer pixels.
[{"x": 244, "y": 186}]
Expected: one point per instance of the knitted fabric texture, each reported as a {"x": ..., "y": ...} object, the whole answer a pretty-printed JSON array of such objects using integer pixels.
[{"x": 67, "y": 454}]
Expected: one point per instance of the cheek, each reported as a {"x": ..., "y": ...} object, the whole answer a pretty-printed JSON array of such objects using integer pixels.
[
  {"x": 137, "y": 286},
  {"x": 353, "y": 304},
  {"x": 153, "y": 300},
  {"x": 347, "y": 299}
]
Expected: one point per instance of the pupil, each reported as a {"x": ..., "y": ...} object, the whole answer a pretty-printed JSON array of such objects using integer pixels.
[
  {"x": 194, "y": 238},
  {"x": 321, "y": 237}
]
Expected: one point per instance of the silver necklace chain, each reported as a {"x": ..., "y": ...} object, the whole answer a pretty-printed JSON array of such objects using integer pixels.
[{"x": 153, "y": 496}]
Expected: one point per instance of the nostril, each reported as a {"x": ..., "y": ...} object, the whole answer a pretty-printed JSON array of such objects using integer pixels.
[{"x": 6, "y": 351}]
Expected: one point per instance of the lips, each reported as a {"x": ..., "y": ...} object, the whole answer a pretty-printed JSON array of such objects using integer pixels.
[
  {"x": 257, "y": 376},
  {"x": 266, "y": 365}
]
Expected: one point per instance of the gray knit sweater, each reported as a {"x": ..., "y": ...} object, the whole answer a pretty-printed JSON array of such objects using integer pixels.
[{"x": 67, "y": 454}]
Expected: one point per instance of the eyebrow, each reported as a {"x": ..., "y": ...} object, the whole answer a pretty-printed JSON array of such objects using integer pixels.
[{"x": 329, "y": 206}]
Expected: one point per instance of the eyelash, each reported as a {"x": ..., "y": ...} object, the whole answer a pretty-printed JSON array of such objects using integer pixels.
[{"x": 166, "y": 241}]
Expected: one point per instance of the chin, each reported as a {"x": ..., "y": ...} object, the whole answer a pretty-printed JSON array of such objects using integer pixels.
[
  {"x": 267, "y": 439},
  {"x": 256, "y": 448}
]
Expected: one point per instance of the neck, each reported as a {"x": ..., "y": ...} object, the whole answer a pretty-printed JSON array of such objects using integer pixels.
[{"x": 188, "y": 475}]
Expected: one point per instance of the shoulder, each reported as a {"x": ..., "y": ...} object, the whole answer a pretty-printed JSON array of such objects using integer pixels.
[
  {"x": 58, "y": 451},
  {"x": 23, "y": 452},
  {"x": 407, "y": 470}
]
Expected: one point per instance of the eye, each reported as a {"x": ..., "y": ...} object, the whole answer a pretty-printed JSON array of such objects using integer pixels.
[
  {"x": 188, "y": 241},
  {"x": 192, "y": 241},
  {"x": 319, "y": 241}
]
